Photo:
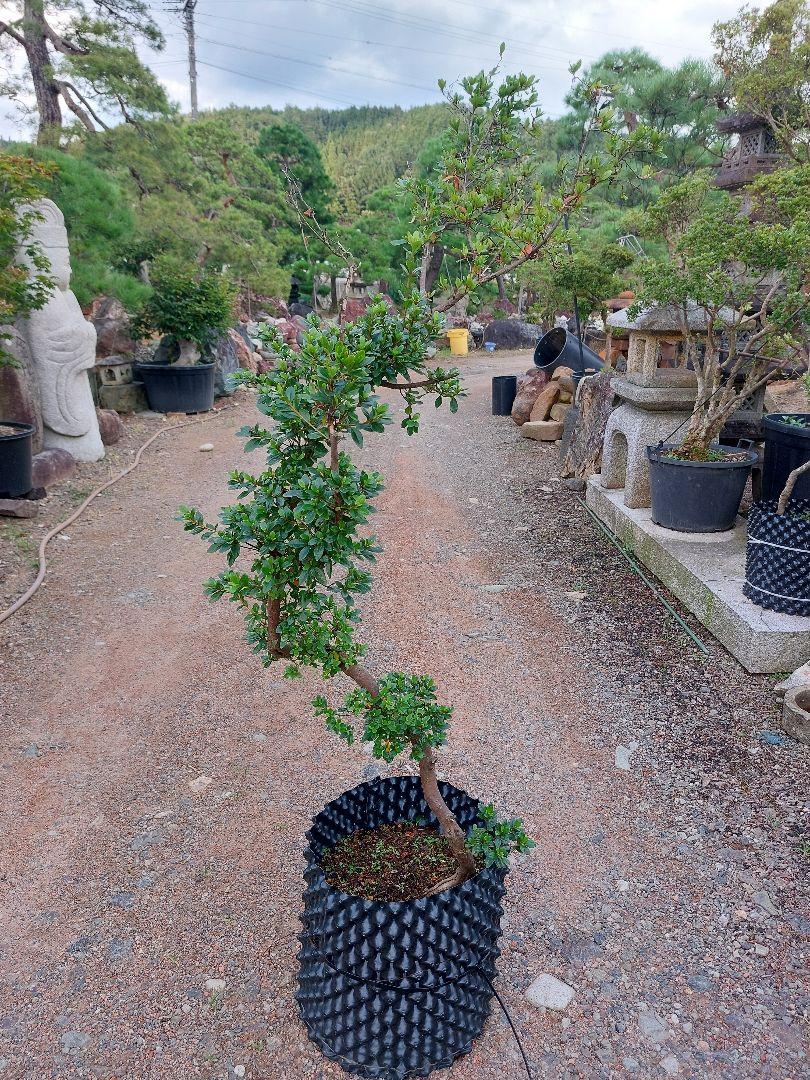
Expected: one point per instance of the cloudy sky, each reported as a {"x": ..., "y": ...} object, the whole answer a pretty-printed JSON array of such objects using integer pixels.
[{"x": 352, "y": 52}]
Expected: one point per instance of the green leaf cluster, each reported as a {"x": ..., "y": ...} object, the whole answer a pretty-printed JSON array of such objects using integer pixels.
[
  {"x": 23, "y": 289},
  {"x": 295, "y": 536},
  {"x": 494, "y": 841}
]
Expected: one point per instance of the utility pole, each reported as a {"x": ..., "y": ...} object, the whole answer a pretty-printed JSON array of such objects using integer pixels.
[{"x": 185, "y": 8}]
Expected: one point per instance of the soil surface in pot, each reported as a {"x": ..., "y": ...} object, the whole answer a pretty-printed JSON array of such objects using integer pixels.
[
  {"x": 711, "y": 455},
  {"x": 7, "y": 429},
  {"x": 402, "y": 861}
]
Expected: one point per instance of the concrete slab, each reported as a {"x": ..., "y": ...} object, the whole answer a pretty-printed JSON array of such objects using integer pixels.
[{"x": 706, "y": 572}]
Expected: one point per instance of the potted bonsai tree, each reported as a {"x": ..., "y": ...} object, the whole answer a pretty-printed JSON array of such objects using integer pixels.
[
  {"x": 190, "y": 306},
  {"x": 787, "y": 447},
  {"x": 737, "y": 282},
  {"x": 404, "y": 875}
]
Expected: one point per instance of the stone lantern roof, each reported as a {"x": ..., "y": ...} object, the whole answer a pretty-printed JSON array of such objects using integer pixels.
[{"x": 666, "y": 320}]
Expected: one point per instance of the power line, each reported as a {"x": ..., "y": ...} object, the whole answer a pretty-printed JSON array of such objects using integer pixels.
[{"x": 286, "y": 86}]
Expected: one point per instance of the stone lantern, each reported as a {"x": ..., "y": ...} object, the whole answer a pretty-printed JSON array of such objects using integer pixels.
[
  {"x": 658, "y": 392},
  {"x": 755, "y": 151}
]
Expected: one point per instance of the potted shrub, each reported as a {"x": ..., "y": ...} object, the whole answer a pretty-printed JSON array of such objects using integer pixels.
[
  {"x": 404, "y": 875},
  {"x": 190, "y": 307},
  {"x": 736, "y": 281},
  {"x": 787, "y": 447},
  {"x": 367, "y": 941}
]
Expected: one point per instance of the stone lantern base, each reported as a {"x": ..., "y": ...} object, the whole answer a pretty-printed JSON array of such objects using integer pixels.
[{"x": 650, "y": 414}]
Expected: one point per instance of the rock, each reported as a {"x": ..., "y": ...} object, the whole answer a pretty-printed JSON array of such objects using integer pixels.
[
  {"x": 796, "y": 714},
  {"x": 701, "y": 984},
  {"x": 549, "y": 992},
  {"x": 559, "y": 411},
  {"x": 800, "y": 677},
  {"x": 110, "y": 425},
  {"x": 201, "y": 784},
  {"x": 542, "y": 430},
  {"x": 226, "y": 352},
  {"x": 764, "y": 901},
  {"x": 528, "y": 389},
  {"x": 19, "y": 391},
  {"x": 112, "y": 324},
  {"x": 124, "y": 398},
  {"x": 653, "y": 1027},
  {"x": 206, "y": 447},
  {"x": 512, "y": 334},
  {"x": 583, "y": 455},
  {"x": 623, "y": 755},
  {"x": 575, "y": 484},
  {"x": 49, "y": 467},
  {"x": 18, "y": 508},
  {"x": 567, "y": 384},
  {"x": 622, "y": 885},
  {"x": 215, "y": 985},
  {"x": 74, "y": 1040},
  {"x": 166, "y": 351},
  {"x": 544, "y": 402},
  {"x": 670, "y": 1065},
  {"x": 352, "y": 307}
]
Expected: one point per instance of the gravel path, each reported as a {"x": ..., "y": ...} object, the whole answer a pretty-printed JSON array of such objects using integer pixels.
[{"x": 148, "y": 917}]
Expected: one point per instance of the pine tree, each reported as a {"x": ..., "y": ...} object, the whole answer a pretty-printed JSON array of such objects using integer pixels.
[{"x": 90, "y": 66}]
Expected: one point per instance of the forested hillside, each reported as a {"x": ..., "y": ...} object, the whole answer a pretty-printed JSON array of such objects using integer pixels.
[{"x": 213, "y": 190}]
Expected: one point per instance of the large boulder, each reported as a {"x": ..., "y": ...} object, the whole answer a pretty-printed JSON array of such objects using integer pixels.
[
  {"x": 19, "y": 387},
  {"x": 513, "y": 334},
  {"x": 353, "y": 307},
  {"x": 581, "y": 453},
  {"x": 225, "y": 354},
  {"x": 528, "y": 389},
  {"x": 112, "y": 325}
]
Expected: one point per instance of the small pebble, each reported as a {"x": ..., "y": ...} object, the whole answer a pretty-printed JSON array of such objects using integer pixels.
[{"x": 206, "y": 447}]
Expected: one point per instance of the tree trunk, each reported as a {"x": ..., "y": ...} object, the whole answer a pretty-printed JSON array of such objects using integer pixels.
[
  {"x": 39, "y": 62},
  {"x": 501, "y": 290}
]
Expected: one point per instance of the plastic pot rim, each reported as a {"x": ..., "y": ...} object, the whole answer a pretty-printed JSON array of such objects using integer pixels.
[
  {"x": 24, "y": 429},
  {"x": 175, "y": 366},
  {"x": 775, "y": 423},
  {"x": 658, "y": 454},
  {"x": 313, "y": 869}
]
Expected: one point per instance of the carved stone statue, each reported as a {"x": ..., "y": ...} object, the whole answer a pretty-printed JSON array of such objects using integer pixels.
[{"x": 62, "y": 346}]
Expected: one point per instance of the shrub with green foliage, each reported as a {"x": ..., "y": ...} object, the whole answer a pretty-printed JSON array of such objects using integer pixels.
[
  {"x": 187, "y": 303},
  {"x": 22, "y": 181}
]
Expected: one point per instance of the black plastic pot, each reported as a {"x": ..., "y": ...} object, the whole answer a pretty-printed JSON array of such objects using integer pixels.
[
  {"x": 696, "y": 496},
  {"x": 786, "y": 447},
  {"x": 777, "y": 564},
  {"x": 504, "y": 389},
  {"x": 558, "y": 348},
  {"x": 390, "y": 990},
  {"x": 178, "y": 387},
  {"x": 15, "y": 460}
]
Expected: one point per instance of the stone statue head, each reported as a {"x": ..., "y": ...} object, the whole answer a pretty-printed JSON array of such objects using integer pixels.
[{"x": 51, "y": 235}]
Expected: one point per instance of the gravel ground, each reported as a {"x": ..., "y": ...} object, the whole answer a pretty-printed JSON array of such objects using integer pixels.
[{"x": 156, "y": 783}]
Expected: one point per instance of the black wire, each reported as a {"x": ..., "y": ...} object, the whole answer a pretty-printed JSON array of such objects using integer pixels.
[{"x": 512, "y": 1026}]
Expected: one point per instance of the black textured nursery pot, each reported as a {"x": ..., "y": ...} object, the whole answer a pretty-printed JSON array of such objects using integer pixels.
[
  {"x": 777, "y": 564},
  {"x": 390, "y": 990},
  {"x": 187, "y": 388},
  {"x": 15, "y": 458},
  {"x": 696, "y": 496},
  {"x": 787, "y": 446}
]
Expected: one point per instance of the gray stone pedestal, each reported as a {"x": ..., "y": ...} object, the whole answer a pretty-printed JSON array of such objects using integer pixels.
[{"x": 649, "y": 414}]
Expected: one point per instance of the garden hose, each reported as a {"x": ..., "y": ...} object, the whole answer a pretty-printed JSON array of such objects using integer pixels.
[{"x": 46, "y": 539}]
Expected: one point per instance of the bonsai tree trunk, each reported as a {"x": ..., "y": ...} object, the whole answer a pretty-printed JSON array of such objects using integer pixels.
[{"x": 189, "y": 353}]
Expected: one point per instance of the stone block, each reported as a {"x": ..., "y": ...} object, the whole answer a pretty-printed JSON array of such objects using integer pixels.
[
  {"x": 706, "y": 572},
  {"x": 542, "y": 430},
  {"x": 528, "y": 387},
  {"x": 560, "y": 411},
  {"x": 124, "y": 398},
  {"x": 18, "y": 508},
  {"x": 562, "y": 373},
  {"x": 544, "y": 401},
  {"x": 796, "y": 714}
]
